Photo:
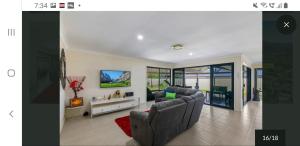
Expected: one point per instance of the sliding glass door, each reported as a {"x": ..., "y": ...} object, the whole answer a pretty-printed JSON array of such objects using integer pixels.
[
  {"x": 199, "y": 78},
  {"x": 222, "y": 85},
  {"x": 214, "y": 81},
  {"x": 246, "y": 84},
  {"x": 258, "y": 84}
]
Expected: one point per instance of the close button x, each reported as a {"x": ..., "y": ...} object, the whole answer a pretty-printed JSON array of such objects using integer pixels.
[{"x": 286, "y": 24}]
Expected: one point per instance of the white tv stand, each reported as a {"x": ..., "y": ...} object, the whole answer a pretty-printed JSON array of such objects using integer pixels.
[{"x": 114, "y": 104}]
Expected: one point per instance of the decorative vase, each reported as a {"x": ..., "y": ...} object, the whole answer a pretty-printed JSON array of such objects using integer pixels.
[{"x": 78, "y": 101}]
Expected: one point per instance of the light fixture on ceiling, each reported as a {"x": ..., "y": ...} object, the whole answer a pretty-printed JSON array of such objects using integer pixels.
[
  {"x": 191, "y": 53},
  {"x": 140, "y": 37},
  {"x": 177, "y": 46}
]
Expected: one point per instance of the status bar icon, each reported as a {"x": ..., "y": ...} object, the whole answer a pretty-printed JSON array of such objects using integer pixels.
[
  {"x": 255, "y": 5},
  {"x": 61, "y": 5},
  {"x": 52, "y": 5},
  {"x": 70, "y": 5},
  {"x": 285, "y": 5}
]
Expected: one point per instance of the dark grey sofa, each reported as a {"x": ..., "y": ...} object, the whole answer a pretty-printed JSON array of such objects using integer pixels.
[
  {"x": 180, "y": 92},
  {"x": 166, "y": 119}
]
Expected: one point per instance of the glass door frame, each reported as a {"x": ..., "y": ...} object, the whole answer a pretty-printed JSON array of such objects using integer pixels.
[
  {"x": 211, "y": 81},
  {"x": 248, "y": 84},
  {"x": 249, "y": 95},
  {"x": 173, "y": 76},
  {"x": 212, "y": 88},
  {"x": 206, "y": 92},
  {"x": 255, "y": 77},
  {"x": 256, "y": 93}
]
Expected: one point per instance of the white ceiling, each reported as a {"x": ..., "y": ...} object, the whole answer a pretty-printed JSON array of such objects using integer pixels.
[{"x": 205, "y": 34}]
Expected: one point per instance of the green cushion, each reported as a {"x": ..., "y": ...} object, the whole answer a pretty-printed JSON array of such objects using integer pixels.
[{"x": 170, "y": 95}]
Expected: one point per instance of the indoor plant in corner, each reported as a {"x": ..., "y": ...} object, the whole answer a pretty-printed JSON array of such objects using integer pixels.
[{"x": 76, "y": 86}]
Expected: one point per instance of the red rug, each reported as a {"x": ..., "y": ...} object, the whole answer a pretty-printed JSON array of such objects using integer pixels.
[{"x": 124, "y": 124}]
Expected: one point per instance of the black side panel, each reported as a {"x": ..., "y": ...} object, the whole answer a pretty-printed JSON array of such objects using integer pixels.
[
  {"x": 40, "y": 67},
  {"x": 281, "y": 51}
]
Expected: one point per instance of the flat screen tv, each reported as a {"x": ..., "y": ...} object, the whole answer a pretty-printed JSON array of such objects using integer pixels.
[{"x": 114, "y": 78}]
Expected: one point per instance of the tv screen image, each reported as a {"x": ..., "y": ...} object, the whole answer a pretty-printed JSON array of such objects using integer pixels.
[{"x": 114, "y": 78}]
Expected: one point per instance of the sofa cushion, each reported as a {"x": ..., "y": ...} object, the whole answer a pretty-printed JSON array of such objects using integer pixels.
[
  {"x": 166, "y": 122},
  {"x": 170, "y": 90},
  {"x": 189, "y": 92},
  {"x": 186, "y": 98},
  {"x": 180, "y": 90},
  {"x": 169, "y": 118},
  {"x": 160, "y": 100},
  {"x": 170, "y": 95},
  {"x": 188, "y": 112},
  {"x": 161, "y": 105},
  {"x": 199, "y": 101},
  {"x": 179, "y": 95},
  {"x": 197, "y": 95}
]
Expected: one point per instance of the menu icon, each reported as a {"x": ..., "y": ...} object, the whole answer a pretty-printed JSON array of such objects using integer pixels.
[{"x": 11, "y": 32}]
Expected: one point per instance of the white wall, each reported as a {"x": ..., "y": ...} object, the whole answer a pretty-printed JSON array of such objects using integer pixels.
[
  {"x": 257, "y": 65},
  {"x": 248, "y": 63},
  {"x": 61, "y": 108},
  {"x": 89, "y": 64},
  {"x": 236, "y": 59}
]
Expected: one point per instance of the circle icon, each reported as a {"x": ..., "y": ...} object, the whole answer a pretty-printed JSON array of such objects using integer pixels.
[{"x": 11, "y": 73}]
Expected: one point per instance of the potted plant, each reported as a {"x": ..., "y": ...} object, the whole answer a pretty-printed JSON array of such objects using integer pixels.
[{"x": 76, "y": 86}]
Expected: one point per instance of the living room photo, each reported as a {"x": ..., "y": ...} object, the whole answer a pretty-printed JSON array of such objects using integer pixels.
[{"x": 160, "y": 78}]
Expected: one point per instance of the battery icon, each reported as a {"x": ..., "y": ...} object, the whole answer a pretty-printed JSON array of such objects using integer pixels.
[{"x": 285, "y": 5}]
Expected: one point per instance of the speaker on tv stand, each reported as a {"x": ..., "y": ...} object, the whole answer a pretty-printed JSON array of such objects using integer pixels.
[{"x": 129, "y": 94}]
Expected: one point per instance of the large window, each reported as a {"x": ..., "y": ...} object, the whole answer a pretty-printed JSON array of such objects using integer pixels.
[{"x": 158, "y": 78}]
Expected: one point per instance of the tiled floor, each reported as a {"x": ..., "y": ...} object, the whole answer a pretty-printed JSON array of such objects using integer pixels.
[{"x": 217, "y": 126}]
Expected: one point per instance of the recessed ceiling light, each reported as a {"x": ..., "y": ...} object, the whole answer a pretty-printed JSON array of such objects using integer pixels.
[
  {"x": 190, "y": 53},
  {"x": 140, "y": 37}
]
